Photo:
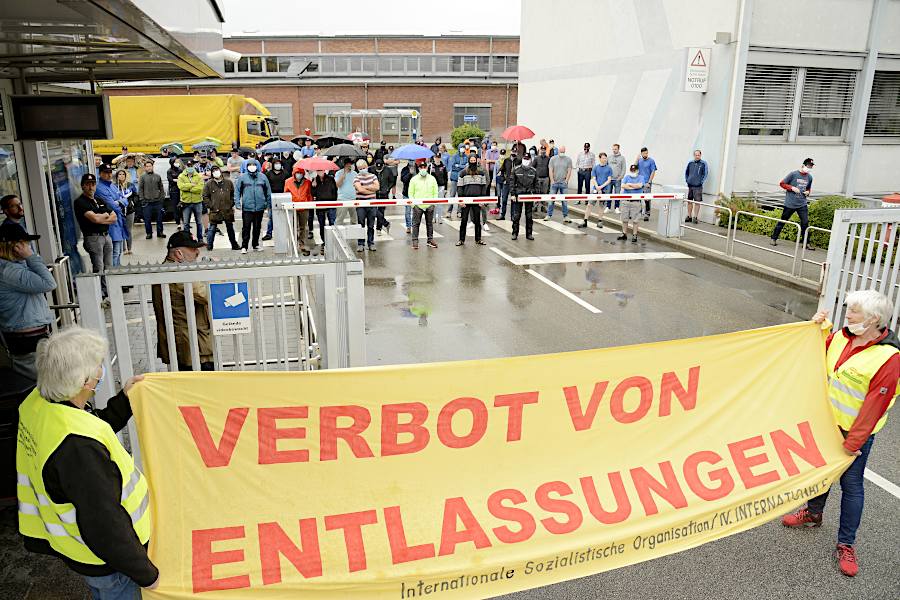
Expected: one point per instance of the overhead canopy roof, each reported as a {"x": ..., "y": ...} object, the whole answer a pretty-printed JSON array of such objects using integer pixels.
[
  {"x": 373, "y": 112},
  {"x": 110, "y": 40}
]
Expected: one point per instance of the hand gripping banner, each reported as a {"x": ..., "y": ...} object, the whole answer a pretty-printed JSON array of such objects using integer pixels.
[{"x": 463, "y": 480}]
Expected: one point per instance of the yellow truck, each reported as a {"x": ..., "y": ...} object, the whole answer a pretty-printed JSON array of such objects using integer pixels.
[{"x": 144, "y": 123}]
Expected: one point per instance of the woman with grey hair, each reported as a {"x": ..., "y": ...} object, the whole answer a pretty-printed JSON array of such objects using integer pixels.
[
  {"x": 81, "y": 497},
  {"x": 863, "y": 361}
]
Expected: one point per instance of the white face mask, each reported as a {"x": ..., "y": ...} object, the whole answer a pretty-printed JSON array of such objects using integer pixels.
[
  {"x": 423, "y": 172},
  {"x": 526, "y": 162},
  {"x": 312, "y": 174},
  {"x": 857, "y": 328},
  {"x": 217, "y": 174},
  {"x": 251, "y": 168},
  {"x": 277, "y": 166},
  {"x": 804, "y": 169}
]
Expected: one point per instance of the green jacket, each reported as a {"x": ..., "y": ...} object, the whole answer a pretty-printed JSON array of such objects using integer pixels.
[
  {"x": 422, "y": 187},
  {"x": 191, "y": 187}
]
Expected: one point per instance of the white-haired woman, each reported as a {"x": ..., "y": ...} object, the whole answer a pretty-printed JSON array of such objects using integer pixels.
[
  {"x": 81, "y": 498},
  {"x": 863, "y": 360}
]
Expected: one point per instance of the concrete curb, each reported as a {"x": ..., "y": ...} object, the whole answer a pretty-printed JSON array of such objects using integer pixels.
[{"x": 739, "y": 264}]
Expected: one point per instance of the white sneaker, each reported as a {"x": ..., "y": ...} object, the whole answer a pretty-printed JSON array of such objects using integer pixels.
[
  {"x": 243, "y": 251},
  {"x": 485, "y": 227},
  {"x": 618, "y": 211},
  {"x": 605, "y": 210},
  {"x": 259, "y": 248},
  {"x": 547, "y": 218}
]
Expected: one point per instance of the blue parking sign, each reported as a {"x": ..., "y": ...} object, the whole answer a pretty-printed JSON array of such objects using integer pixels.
[{"x": 230, "y": 307}]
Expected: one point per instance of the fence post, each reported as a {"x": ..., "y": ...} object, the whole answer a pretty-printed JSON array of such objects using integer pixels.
[
  {"x": 93, "y": 317},
  {"x": 356, "y": 314}
]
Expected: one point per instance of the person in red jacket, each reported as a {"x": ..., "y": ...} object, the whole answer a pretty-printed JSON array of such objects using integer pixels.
[
  {"x": 863, "y": 361},
  {"x": 298, "y": 185}
]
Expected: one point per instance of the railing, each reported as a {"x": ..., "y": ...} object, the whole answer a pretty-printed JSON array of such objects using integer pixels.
[
  {"x": 62, "y": 300},
  {"x": 775, "y": 197},
  {"x": 728, "y": 233},
  {"x": 735, "y": 240}
]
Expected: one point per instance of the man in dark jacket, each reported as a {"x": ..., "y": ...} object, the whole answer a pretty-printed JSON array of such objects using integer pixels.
[
  {"x": 324, "y": 189},
  {"x": 472, "y": 183},
  {"x": 437, "y": 170},
  {"x": 387, "y": 184},
  {"x": 524, "y": 181},
  {"x": 541, "y": 166},
  {"x": 407, "y": 173},
  {"x": 175, "y": 168},
  {"x": 504, "y": 180},
  {"x": 151, "y": 193},
  {"x": 277, "y": 175},
  {"x": 218, "y": 196},
  {"x": 381, "y": 152}
]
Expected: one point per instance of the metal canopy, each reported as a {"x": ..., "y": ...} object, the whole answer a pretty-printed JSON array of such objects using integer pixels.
[
  {"x": 373, "y": 112},
  {"x": 105, "y": 40}
]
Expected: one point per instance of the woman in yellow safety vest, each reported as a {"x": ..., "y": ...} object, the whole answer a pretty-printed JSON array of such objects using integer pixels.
[
  {"x": 81, "y": 497},
  {"x": 863, "y": 361}
]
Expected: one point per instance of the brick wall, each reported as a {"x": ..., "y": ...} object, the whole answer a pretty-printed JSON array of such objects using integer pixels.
[
  {"x": 436, "y": 101},
  {"x": 400, "y": 46},
  {"x": 292, "y": 46},
  {"x": 339, "y": 46},
  {"x": 244, "y": 46}
]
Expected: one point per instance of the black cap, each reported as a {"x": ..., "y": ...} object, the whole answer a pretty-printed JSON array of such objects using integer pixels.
[
  {"x": 105, "y": 168},
  {"x": 183, "y": 239},
  {"x": 13, "y": 232},
  {"x": 808, "y": 162},
  {"x": 526, "y": 155},
  {"x": 88, "y": 178}
]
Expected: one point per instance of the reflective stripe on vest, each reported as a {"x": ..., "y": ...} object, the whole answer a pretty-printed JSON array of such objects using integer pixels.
[
  {"x": 849, "y": 384},
  {"x": 42, "y": 428}
]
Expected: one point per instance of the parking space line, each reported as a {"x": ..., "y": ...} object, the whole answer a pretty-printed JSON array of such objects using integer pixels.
[
  {"x": 564, "y": 229},
  {"x": 565, "y": 292},
  {"x": 470, "y": 229},
  {"x": 577, "y": 258},
  {"x": 891, "y": 488}
]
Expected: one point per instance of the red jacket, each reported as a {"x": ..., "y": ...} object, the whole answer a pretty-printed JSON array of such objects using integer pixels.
[
  {"x": 882, "y": 388},
  {"x": 300, "y": 192}
]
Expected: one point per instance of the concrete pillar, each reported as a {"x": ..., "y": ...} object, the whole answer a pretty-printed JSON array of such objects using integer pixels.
[
  {"x": 39, "y": 196},
  {"x": 857, "y": 125},
  {"x": 745, "y": 17}
]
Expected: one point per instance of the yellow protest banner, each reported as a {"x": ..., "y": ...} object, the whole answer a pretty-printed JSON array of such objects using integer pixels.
[{"x": 462, "y": 480}]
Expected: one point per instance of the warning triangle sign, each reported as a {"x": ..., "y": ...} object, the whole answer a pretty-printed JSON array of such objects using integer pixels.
[{"x": 698, "y": 60}]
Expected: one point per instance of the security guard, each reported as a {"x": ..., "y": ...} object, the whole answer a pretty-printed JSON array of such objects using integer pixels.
[
  {"x": 524, "y": 181},
  {"x": 863, "y": 362},
  {"x": 81, "y": 497}
]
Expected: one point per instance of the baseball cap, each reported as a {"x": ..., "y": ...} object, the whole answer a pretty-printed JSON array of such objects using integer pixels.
[
  {"x": 183, "y": 239},
  {"x": 88, "y": 178},
  {"x": 808, "y": 162},
  {"x": 526, "y": 155},
  {"x": 421, "y": 161},
  {"x": 16, "y": 233},
  {"x": 105, "y": 168}
]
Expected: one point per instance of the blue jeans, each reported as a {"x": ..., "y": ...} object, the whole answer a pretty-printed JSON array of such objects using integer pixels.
[
  {"x": 196, "y": 209},
  {"x": 615, "y": 187},
  {"x": 366, "y": 216},
  {"x": 117, "y": 253},
  {"x": 407, "y": 214},
  {"x": 113, "y": 587},
  {"x": 153, "y": 211},
  {"x": 321, "y": 214},
  {"x": 504, "y": 199},
  {"x": 851, "y": 496},
  {"x": 565, "y": 208},
  {"x": 269, "y": 226}
]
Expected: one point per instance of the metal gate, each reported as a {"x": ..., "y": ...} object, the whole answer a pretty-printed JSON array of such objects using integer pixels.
[{"x": 862, "y": 254}]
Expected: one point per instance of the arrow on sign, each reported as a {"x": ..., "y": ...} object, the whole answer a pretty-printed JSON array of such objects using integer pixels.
[{"x": 698, "y": 60}]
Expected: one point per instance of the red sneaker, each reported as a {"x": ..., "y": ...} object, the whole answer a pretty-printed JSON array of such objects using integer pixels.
[
  {"x": 802, "y": 518},
  {"x": 846, "y": 556}
]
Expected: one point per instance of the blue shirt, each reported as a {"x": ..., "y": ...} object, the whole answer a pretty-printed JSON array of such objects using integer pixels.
[
  {"x": 646, "y": 168},
  {"x": 801, "y": 181},
  {"x": 307, "y": 152},
  {"x": 633, "y": 179},
  {"x": 601, "y": 173},
  {"x": 346, "y": 191}
]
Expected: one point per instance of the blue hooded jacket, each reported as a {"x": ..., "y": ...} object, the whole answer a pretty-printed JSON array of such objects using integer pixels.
[
  {"x": 457, "y": 163},
  {"x": 252, "y": 191}
]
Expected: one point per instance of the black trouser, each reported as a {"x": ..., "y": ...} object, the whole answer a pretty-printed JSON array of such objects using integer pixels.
[
  {"x": 204, "y": 366},
  {"x": 475, "y": 211},
  {"x": 380, "y": 220},
  {"x": 321, "y": 213},
  {"x": 211, "y": 234},
  {"x": 310, "y": 220},
  {"x": 584, "y": 178},
  {"x": 517, "y": 214},
  {"x": 786, "y": 213},
  {"x": 174, "y": 200},
  {"x": 365, "y": 215},
  {"x": 251, "y": 218}
]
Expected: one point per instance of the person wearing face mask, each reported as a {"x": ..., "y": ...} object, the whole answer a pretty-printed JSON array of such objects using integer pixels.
[
  {"x": 491, "y": 158},
  {"x": 70, "y": 462},
  {"x": 277, "y": 177},
  {"x": 863, "y": 366},
  {"x": 381, "y": 151},
  {"x": 287, "y": 161},
  {"x": 182, "y": 248},
  {"x": 456, "y": 164},
  {"x": 151, "y": 192},
  {"x": 439, "y": 171},
  {"x": 797, "y": 186},
  {"x": 472, "y": 183},
  {"x": 218, "y": 196},
  {"x": 632, "y": 210},
  {"x": 324, "y": 189},
  {"x": 524, "y": 181},
  {"x": 387, "y": 186},
  {"x": 299, "y": 186},
  {"x": 584, "y": 162},
  {"x": 346, "y": 191},
  {"x": 366, "y": 186},
  {"x": 252, "y": 196},
  {"x": 423, "y": 185},
  {"x": 190, "y": 182}
]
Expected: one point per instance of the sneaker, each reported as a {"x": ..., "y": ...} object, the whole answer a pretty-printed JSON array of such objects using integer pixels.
[
  {"x": 605, "y": 210},
  {"x": 696, "y": 220},
  {"x": 501, "y": 218},
  {"x": 149, "y": 237},
  {"x": 460, "y": 243},
  {"x": 235, "y": 247},
  {"x": 243, "y": 251},
  {"x": 258, "y": 249},
  {"x": 387, "y": 228},
  {"x": 846, "y": 557},
  {"x": 547, "y": 218},
  {"x": 371, "y": 248},
  {"x": 415, "y": 246},
  {"x": 209, "y": 247},
  {"x": 309, "y": 236},
  {"x": 618, "y": 211},
  {"x": 431, "y": 244},
  {"x": 647, "y": 218},
  {"x": 634, "y": 239},
  {"x": 480, "y": 243},
  {"x": 566, "y": 220},
  {"x": 529, "y": 237},
  {"x": 160, "y": 235},
  {"x": 688, "y": 219},
  {"x": 802, "y": 518},
  {"x": 408, "y": 230},
  {"x": 622, "y": 237},
  {"x": 485, "y": 228},
  {"x": 267, "y": 237},
  {"x": 583, "y": 225},
  {"x": 360, "y": 249},
  {"x": 810, "y": 247},
  {"x": 773, "y": 243},
  {"x": 515, "y": 237},
  {"x": 599, "y": 225}
]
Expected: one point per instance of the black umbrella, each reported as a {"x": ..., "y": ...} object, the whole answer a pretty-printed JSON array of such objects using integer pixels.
[
  {"x": 301, "y": 139},
  {"x": 346, "y": 150},
  {"x": 328, "y": 140}
]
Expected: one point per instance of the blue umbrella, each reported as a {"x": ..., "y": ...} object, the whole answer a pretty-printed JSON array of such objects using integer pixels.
[
  {"x": 411, "y": 152},
  {"x": 279, "y": 146},
  {"x": 205, "y": 146}
]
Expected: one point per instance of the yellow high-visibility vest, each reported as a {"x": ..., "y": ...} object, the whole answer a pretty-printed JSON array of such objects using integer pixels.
[
  {"x": 43, "y": 426},
  {"x": 848, "y": 386}
]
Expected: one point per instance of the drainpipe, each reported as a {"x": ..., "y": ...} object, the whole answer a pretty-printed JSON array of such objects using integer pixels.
[
  {"x": 741, "y": 52},
  {"x": 506, "y": 124},
  {"x": 861, "y": 102}
]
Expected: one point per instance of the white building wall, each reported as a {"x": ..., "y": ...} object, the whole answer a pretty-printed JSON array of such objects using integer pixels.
[{"x": 580, "y": 80}]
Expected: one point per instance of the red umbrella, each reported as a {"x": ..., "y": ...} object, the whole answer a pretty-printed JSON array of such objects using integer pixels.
[
  {"x": 317, "y": 163},
  {"x": 517, "y": 133}
]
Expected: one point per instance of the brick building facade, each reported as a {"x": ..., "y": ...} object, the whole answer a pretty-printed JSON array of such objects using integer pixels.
[{"x": 304, "y": 81}]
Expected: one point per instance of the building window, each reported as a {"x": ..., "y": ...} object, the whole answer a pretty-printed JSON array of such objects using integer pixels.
[
  {"x": 883, "y": 117},
  {"x": 285, "y": 115},
  {"x": 401, "y": 126},
  {"x": 826, "y": 102},
  {"x": 229, "y": 66},
  {"x": 243, "y": 64},
  {"x": 325, "y": 122},
  {"x": 256, "y": 64},
  {"x": 480, "y": 112},
  {"x": 768, "y": 100}
]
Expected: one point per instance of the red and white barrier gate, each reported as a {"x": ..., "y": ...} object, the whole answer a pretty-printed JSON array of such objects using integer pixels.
[{"x": 475, "y": 200}]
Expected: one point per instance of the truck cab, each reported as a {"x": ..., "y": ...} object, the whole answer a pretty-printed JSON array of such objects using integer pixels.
[{"x": 256, "y": 129}]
